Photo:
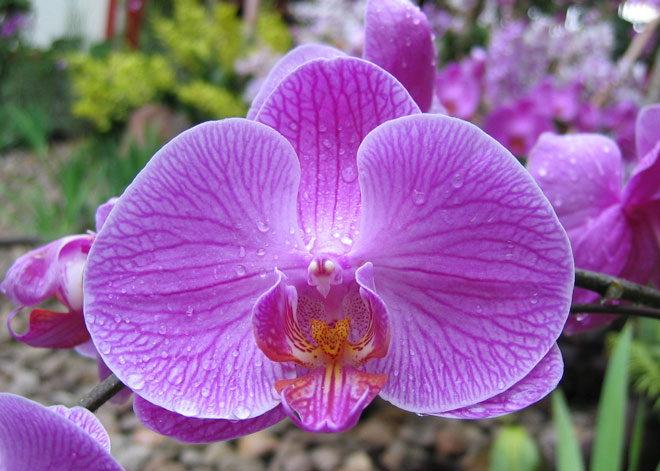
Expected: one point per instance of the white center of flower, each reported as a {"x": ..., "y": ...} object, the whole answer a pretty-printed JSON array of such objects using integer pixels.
[{"x": 323, "y": 273}]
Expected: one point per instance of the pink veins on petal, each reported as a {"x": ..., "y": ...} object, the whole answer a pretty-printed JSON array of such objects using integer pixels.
[{"x": 341, "y": 245}]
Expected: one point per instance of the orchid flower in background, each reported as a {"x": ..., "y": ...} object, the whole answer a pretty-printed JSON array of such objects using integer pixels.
[
  {"x": 458, "y": 86},
  {"x": 340, "y": 245},
  {"x": 613, "y": 229},
  {"x": 34, "y": 437},
  {"x": 53, "y": 271}
]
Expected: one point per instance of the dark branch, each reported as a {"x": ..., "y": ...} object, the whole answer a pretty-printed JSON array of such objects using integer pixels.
[
  {"x": 611, "y": 287},
  {"x": 618, "y": 309},
  {"x": 10, "y": 241},
  {"x": 101, "y": 393}
]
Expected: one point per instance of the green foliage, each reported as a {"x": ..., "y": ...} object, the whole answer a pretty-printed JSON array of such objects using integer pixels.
[
  {"x": 110, "y": 87},
  {"x": 568, "y": 453},
  {"x": 645, "y": 361},
  {"x": 213, "y": 101},
  {"x": 273, "y": 31},
  {"x": 607, "y": 451},
  {"x": 514, "y": 448}
]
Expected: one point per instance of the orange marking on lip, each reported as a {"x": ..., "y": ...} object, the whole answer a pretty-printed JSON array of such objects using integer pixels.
[{"x": 331, "y": 340}]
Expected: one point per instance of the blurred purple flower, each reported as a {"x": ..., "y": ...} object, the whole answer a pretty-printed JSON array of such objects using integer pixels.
[
  {"x": 341, "y": 245},
  {"x": 518, "y": 126},
  {"x": 613, "y": 229},
  {"x": 34, "y": 437},
  {"x": 458, "y": 88},
  {"x": 619, "y": 119},
  {"x": 560, "y": 103},
  {"x": 11, "y": 24}
]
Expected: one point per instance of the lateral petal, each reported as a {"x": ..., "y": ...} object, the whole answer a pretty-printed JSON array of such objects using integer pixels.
[
  {"x": 542, "y": 380},
  {"x": 469, "y": 257},
  {"x": 193, "y": 430},
  {"x": 50, "y": 329},
  {"x": 398, "y": 38},
  {"x": 329, "y": 399},
  {"x": 285, "y": 66},
  {"x": 174, "y": 273},
  {"x": 647, "y": 129},
  {"x": 580, "y": 174},
  {"x": 325, "y": 108},
  {"x": 643, "y": 186},
  {"x": 33, "y": 437}
]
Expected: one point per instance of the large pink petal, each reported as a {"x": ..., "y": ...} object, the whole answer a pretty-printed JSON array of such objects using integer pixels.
[
  {"x": 86, "y": 421},
  {"x": 647, "y": 129},
  {"x": 580, "y": 174},
  {"x": 329, "y": 399},
  {"x": 469, "y": 257},
  {"x": 285, "y": 66},
  {"x": 193, "y": 430},
  {"x": 325, "y": 108},
  {"x": 532, "y": 388},
  {"x": 32, "y": 437},
  {"x": 398, "y": 38},
  {"x": 174, "y": 273},
  {"x": 50, "y": 329}
]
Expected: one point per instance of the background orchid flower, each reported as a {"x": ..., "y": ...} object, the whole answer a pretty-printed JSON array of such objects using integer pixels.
[
  {"x": 341, "y": 245},
  {"x": 398, "y": 38},
  {"x": 34, "y": 437},
  {"x": 53, "y": 271},
  {"x": 613, "y": 228}
]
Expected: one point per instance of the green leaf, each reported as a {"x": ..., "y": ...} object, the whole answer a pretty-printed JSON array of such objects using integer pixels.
[
  {"x": 568, "y": 453},
  {"x": 513, "y": 448},
  {"x": 637, "y": 436},
  {"x": 607, "y": 452}
]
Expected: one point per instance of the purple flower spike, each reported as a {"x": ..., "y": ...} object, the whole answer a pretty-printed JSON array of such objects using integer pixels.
[
  {"x": 54, "y": 270},
  {"x": 33, "y": 437},
  {"x": 340, "y": 246},
  {"x": 613, "y": 229}
]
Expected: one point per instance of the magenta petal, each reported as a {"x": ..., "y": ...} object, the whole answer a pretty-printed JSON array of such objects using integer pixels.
[
  {"x": 580, "y": 174},
  {"x": 329, "y": 399},
  {"x": 285, "y": 66},
  {"x": 49, "y": 329},
  {"x": 174, "y": 273},
  {"x": 532, "y": 388},
  {"x": 643, "y": 187},
  {"x": 123, "y": 395},
  {"x": 33, "y": 437},
  {"x": 474, "y": 267},
  {"x": 103, "y": 211},
  {"x": 647, "y": 129},
  {"x": 36, "y": 276},
  {"x": 325, "y": 108},
  {"x": 193, "y": 430},
  {"x": 398, "y": 38}
]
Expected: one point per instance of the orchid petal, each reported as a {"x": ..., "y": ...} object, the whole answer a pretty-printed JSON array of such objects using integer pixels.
[
  {"x": 325, "y": 108},
  {"x": 532, "y": 388},
  {"x": 123, "y": 395},
  {"x": 103, "y": 211},
  {"x": 35, "y": 276},
  {"x": 474, "y": 267},
  {"x": 194, "y": 430},
  {"x": 329, "y": 399},
  {"x": 285, "y": 66},
  {"x": 87, "y": 421},
  {"x": 643, "y": 186},
  {"x": 398, "y": 38},
  {"x": 50, "y": 329},
  {"x": 647, "y": 129},
  {"x": 32, "y": 437},
  {"x": 218, "y": 204},
  {"x": 87, "y": 349},
  {"x": 580, "y": 174},
  {"x": 605, "y": 247}
]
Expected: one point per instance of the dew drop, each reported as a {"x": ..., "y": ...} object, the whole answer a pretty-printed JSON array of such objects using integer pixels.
[
  {"x": 240, "y": 270},
  {"x": 349, "y": 174},
  {"x": 535, "y": 298},
  {"x": 479, "y": 308},
  {"x": 262, "y": 226},
  {"x": 327, "y": 144},
  {"x": 418, "y": 197},
  {"x": 189, "y": 311},
  {"x": 457, "y": 180},
  {"x": 206, "y": 392},
  {"x": 175, "y": 376},
  {"x": 105, "y": 347},
  {"x": 241, "y": 251},
  {"x": 234, "y": 353},
  {"x": 261, "y": 252},
  {"x": 242, "y": 412},
  {"x": 162, "y": 330},
  {"x": 135, "y": 381},
  {"x": 293, "y": 126},
  {"x": 346, "y": 240}
]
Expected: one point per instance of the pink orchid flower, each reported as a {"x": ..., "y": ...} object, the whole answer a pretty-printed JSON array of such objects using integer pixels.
[
  {"x": 34, "y": 437},
  {"x": 339, "y": 246},
  {"x": 613, "y": 228},
  {"x": 53, "y": 271}
]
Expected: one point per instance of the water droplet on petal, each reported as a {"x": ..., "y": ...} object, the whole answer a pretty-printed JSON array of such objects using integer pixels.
[
  {"x": 418, "y": 197},
  {"x": 175, "y": 376},
  {"x": 240, "y": 270},
  {"x": 241, "y": 251},
  {"x": 135, "y": 381},
  {"x": 162, "y": 330},
  {"x": 261, "y": 252},
  {"x": 457, "y": 180},
  {"x": 242, "y": 412},
  {"x": 105, "y": 347},
  {"x": 234, "y": 353},
  {"x": 189, "y": 311},
  {"x": 349, "y": 174}
]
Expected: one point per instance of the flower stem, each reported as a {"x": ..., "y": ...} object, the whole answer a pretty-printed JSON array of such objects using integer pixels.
[
  {"x": 612, "y": 287},
  {"x": 618, "y": 309},
  {"x": 101, "y": 393}
]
